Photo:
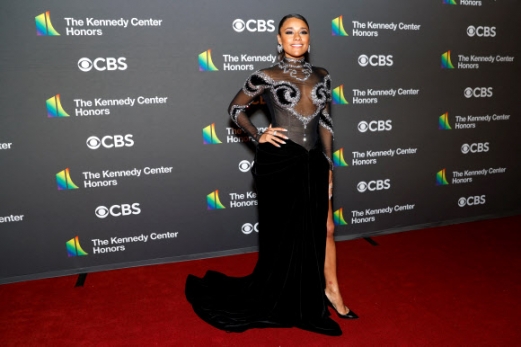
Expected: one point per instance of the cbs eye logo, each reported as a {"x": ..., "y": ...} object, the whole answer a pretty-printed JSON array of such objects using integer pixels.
[
  {"x": 245, "y": 166},
  {"x": 117, "y": 210},
  {"x": 375, "y": 60},
  {"x": 101, "y": 212},
  {"x": 254, "y": 25},
  {"x": 481, "y": 31},
  {"x": 102, "y": 64},
  {"x": 475, "y": 147},
  {"x": 373, "y": 185},
  {"x": 472, "y": 200},
  {"x": 375, "y": 125},
  {"x": 361, "y": 186},
  {"x": 478, "y": 92},
  {"x": 110, "y": 141},
  {"x": 248, "y": 228}
]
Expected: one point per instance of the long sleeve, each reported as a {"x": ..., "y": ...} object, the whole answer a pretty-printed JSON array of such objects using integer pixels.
[
  {"x": 326, "y": 127},
  {"x": 253, "y": 87}
]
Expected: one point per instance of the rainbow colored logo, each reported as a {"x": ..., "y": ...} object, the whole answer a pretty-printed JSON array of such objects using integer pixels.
[
  {"x": 338, "y": 158},
  {"x": 441, "y": 178},
  {"x": 64, "y": 181},
  {"x": 44, "y": 26},
  {"x": 443, "y": 122},
  {"x": 74, "y": 249},
  {"x": 446, "y": 63},
  {"x": 338, "y": 217},
  {"x": 209, "y": 135},
  {"x": 337, "y": 27},
  {"x": 449, "y": 2},
  {"x": 54, "y": 107},
  {"x": 205, "y": 61},
  {"x": 338, "y": 96},
  {"x": 213, "y": 202}
]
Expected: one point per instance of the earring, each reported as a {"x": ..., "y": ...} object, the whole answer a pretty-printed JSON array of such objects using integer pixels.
[
  {"x": 279, "y": 48},
  {"x": 309, "y": 48}
]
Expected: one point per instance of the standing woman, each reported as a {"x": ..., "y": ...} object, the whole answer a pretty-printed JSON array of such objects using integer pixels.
[{"x": 293, "y": 176}]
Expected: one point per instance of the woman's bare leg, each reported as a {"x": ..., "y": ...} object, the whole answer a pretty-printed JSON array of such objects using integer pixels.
[{"x": 332, "y": 289}]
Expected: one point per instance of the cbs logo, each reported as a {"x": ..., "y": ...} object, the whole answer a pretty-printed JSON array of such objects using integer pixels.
[
  {"x": 375, "y": 60},
  {"x": 471, "y": 201},
  {"x": 481, "y": 31},
  {"x": 248, "y": 228},
  {"x": 375, "y": 125},
  {"x": 102, "y": 64},
  {"x": 116, "y": 141},
  {"x": 373, "y": 185},
  {"x": 254, "y": 25},
  {"x": 245, "y": 165},
  {"x": 475, "y": 148},
  {"x": 117, "y": 210},
  {"x": 478, "y": 92}
]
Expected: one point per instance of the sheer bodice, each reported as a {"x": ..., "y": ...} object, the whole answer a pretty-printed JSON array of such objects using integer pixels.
[{"x": 298, "y": 97}]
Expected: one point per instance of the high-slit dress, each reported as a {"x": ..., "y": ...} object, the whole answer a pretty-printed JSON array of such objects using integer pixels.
[{"x": 286, "y": 287}]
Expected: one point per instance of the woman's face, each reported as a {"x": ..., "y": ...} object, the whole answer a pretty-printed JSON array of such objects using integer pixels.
[{"x": 294, "y": 38}]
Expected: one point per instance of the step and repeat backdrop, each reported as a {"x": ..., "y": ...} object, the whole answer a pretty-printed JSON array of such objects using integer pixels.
[{"x": 116, "y": 148}]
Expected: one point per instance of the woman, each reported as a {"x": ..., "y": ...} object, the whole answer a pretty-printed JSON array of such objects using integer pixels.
[{"x": 293, "y": 178}]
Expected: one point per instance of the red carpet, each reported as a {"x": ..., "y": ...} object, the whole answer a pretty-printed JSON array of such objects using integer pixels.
[{"x": 458, "y": 285}]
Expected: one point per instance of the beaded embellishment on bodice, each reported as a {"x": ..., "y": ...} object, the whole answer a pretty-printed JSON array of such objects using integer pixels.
[{"x": 298, "y": 97}]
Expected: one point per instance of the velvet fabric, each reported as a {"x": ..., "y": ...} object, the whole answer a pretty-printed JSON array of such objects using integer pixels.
[{"x": 286, "y": 288}]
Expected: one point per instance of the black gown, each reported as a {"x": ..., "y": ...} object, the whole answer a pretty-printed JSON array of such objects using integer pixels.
[{"x": 286, "y": 288}]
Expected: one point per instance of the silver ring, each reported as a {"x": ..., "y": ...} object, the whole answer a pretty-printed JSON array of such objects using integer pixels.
[{"x": 275, "y": 132}]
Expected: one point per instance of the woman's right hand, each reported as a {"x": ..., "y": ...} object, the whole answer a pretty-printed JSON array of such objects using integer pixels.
[{"x": 275, "y": 136}]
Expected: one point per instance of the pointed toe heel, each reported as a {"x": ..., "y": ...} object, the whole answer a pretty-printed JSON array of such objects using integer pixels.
[{"x": 348, "y": 315}]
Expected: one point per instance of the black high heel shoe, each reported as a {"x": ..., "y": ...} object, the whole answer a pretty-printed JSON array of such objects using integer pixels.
[{"x": 348, "y": 315}]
